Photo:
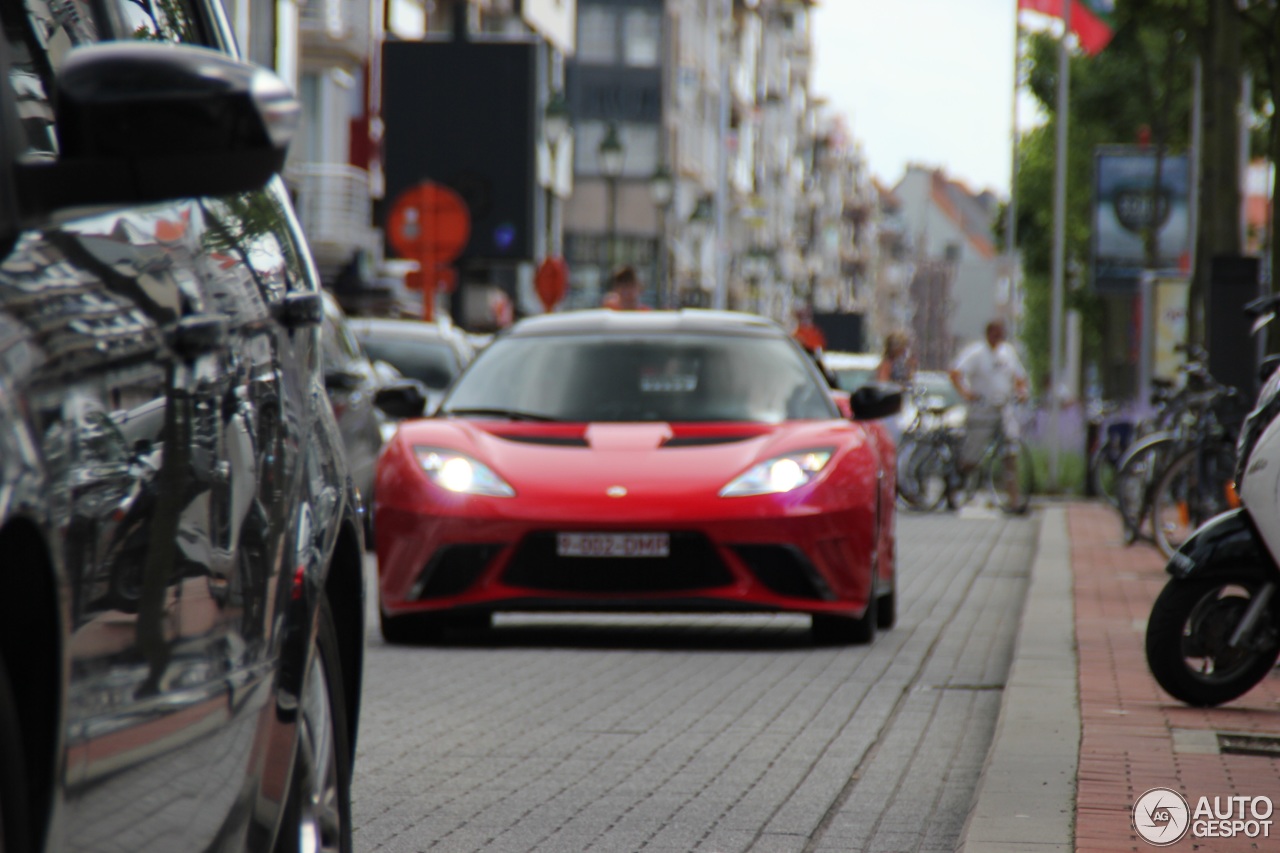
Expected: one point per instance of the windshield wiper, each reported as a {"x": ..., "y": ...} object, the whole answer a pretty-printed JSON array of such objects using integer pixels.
[{"x": 511, "y": 414}]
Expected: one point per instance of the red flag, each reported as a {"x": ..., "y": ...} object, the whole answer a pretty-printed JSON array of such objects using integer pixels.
[{"x": 1087, "y": 20}]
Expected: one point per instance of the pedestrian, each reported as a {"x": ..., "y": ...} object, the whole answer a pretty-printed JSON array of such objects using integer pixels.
[
  {"x": 898, "y": 363},
  {"x": 807, "y": 332},
  {"x": 624, "y": 291},
  {"x": 990, "y": 377}
]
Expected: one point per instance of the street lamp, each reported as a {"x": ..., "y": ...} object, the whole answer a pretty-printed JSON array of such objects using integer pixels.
[
  {"x": 555, "y": 118},
  {"x": 612, "y": 156},
  {"x": 662, "y": 189},
  {"x": 555, "y": 130}
]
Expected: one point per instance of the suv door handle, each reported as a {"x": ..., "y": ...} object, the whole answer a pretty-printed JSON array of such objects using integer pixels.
[
  {"x": 199, "y": 334},
  {"x": 300, "y": 309}
]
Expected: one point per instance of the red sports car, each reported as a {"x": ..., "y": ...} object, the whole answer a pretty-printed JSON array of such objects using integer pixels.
[{"x": 650, "y": 461}]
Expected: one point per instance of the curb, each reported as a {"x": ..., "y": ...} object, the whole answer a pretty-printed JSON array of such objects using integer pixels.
[{"x": 1026, "y": 795}]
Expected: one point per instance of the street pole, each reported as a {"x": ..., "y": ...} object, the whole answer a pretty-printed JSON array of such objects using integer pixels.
[
  {"x": 1059, "y": 250},
  {"x": 611, "y": 229},
  {"x": 1011, "y": 210},
  {"x": 720, "y": 297}
]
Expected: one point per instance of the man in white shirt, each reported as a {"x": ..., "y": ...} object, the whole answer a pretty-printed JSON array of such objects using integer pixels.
[{"x": 990, "y": 377}]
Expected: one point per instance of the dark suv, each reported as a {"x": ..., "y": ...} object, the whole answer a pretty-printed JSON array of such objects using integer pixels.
[{"x": 181, "y": 627}]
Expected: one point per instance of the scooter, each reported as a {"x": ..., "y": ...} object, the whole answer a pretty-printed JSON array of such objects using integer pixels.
[{"x": 1214, "y": 630}]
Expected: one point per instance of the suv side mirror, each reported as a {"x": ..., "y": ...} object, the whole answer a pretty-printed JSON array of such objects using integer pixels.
[
  {"x": 145, "y": 121},
  {"x": 875, "y": 400},
  {"x": 401, "y": 399}
]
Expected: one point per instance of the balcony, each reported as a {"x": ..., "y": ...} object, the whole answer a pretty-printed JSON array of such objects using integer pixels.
[
  {"x": 335, "y": 211},
  {"x": 337, "y": 31}
]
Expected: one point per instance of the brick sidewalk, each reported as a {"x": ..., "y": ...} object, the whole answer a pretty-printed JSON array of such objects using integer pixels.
[{"x": 1134, "y": 736}]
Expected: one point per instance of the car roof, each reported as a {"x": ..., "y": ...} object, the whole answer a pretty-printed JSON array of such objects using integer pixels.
[
  {"x": 371, "y": 326},
  {"x": 687, "y": 320}
]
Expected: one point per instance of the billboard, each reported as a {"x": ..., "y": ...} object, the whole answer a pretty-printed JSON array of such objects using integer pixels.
[
  {"x": 463, "y": 114},
  {"x": 1129, "y": 200}
]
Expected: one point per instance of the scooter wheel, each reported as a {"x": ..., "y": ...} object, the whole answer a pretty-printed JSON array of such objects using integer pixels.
[{"x": 1188, "y": 640}]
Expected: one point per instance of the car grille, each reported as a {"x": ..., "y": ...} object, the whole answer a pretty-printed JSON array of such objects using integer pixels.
[
  {"x": 452, "y": 569},
  {"x": 692, "y": 564},
  {"x": 785, "y": 570}
]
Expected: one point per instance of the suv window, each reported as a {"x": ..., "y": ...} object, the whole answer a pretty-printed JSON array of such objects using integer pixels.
[
  {"x": 40, "y": 34},
  {"x": 166, "y": 20}
]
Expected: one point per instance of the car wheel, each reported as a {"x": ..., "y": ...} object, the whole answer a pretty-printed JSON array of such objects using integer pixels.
[
  {"x": 887, "y": 611},
  {"x": 829, "y": 630},
  {"x": 318, "y": 809},
  {"x": 13, "y": 805}
]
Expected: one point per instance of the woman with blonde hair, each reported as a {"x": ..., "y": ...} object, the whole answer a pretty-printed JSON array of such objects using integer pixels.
[{"x": 898, "y": 364}]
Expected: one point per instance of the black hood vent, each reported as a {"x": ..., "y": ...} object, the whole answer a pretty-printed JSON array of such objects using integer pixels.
[
  {"x": 547, "y": 440},
  {"x": 703, "y": 440}
]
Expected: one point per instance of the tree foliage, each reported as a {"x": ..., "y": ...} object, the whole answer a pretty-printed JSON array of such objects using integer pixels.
[{"x": 1138, "y": 88}]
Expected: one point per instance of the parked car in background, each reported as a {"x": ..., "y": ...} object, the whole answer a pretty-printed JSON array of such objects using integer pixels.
[
  {"x": 366, "y": 397},
  {"x": 852, "y": 369},
  {"x": 431, "y": 353},
  {"x": 182, "y": 624},
  {"x": 939, "y": 396},
  {"x": 609, "y": 460}
]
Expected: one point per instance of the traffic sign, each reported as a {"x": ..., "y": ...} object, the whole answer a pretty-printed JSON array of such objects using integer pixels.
[{"x": 429, "y": 223}]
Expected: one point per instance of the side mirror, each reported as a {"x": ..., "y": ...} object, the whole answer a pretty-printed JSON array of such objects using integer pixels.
[
  {"x": 875, "y": 400},
  {"x": 401, "y": 399},
  {"x": 147, "y": 121},
  {"x": 342, "y": 380}
]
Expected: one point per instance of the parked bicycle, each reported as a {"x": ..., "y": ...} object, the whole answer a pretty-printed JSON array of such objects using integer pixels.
[
  {"x": 1114, "y": 437},
  {"x": 1179, "y": 474},
  {"x": 930, "y": 475}
]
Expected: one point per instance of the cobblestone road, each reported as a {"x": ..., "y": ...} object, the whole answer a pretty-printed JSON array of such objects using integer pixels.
[{"x": 727, "y": 734}]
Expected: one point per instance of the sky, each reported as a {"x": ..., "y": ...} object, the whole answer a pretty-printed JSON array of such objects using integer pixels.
[{"x": 923, "y": 81}]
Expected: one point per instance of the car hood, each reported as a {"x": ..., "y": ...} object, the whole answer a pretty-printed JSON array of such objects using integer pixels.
[{"x": 559, "y": 460}]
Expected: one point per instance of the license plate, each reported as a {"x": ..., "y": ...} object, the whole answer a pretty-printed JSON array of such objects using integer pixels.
[{"x": 613, "y": 545}]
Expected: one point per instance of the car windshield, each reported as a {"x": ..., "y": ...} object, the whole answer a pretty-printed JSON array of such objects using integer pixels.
[
  {"x": 672, "y": 378},
  {"x": 433, "y": 363}
]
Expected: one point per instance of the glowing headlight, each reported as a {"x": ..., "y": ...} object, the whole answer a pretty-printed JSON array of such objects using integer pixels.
[
  {"x": 457, "y": 472},
  {"x": 778, "y": 475}
]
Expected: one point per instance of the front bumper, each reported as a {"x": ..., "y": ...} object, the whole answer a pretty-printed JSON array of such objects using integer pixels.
[{"x": 809, "y": 563}]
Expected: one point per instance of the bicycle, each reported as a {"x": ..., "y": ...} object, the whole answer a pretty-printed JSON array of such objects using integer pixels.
[
  {"x": 1104, "y": 460},
  {"x": 930, "y": 475},
  {"x": 1199, "y": 419},
  {"x": 1005, "y": 469},
  {"x": 925, "y": 454}
]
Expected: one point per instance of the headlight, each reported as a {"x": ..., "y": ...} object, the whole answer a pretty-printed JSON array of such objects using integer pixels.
[
  {"x": 778, "y": 475},
  {"x": 457, "y": 472}
]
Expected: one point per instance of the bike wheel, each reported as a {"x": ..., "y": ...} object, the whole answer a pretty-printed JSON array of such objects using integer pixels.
[
  {"x": 923, "y": 482},
  {"x": 1137, "y": 476},
  {"x": 1188, "y": 641},
  {"x": 1103, "y": 474},
  {"x": 1194, "y": 487},
  {"x": 1010, "y": 476}
]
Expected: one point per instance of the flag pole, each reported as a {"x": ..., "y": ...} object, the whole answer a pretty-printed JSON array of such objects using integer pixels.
[
  {"x": 1011, "y": 210},
  {"x": 1059, "y": 248}
]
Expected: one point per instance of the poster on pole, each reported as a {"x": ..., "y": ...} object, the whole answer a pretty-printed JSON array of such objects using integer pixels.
[
  {"x": 1170, "y": 326},
  {"x": 1136, "y": 192}
]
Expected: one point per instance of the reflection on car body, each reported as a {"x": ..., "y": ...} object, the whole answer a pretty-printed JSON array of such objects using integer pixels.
[
  {"x": 655, "y": 460},
  {"x": 172, "y": 638}
]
